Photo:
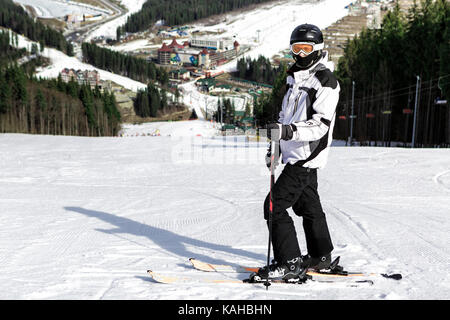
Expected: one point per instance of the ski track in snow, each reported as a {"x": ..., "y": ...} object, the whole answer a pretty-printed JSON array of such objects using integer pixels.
[
  {"x": 86, "y": 217},
  {"x": 441, "y": 181}
]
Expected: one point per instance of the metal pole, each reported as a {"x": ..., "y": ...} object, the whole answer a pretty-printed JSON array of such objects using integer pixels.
[
  {"x": 206, "y": 109},
  {"x": 221, "y": 113},
  {"x": 413, "y": 142},
  {"x": 273, "y": 148},
  {"x": 353, "y": 113}
]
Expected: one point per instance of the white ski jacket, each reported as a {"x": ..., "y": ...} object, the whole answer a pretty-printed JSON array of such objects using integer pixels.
[{"x": 309, "y": 106}]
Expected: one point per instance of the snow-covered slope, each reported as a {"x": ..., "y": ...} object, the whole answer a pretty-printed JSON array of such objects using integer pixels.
[
  {"x": 60, "y": 8},
  {"x": 192, "y": 128},
  {"x": 86, "y": 217},
  {"x": 60, "y": 60},
  {"x": 268, "y": 28}
]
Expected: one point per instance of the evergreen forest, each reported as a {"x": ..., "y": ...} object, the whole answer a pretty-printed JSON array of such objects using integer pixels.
[
  {"x": 380, "y": 73},
  {"x": 30, "y": 105},
  {"x": 135, "y": 68},
  {"x": 14, "y": 17},
  {"x": 150, "y": 102},
  {"x": 409, "y": 54},
  {"x": 178, "y": 12},
  {"x": 258, "y": 70}
]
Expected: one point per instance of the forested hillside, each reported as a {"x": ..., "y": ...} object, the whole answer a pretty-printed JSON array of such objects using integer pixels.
[
  {"x": 267, "y": 107},
  {"x": 259, "y": 70},
  {"x": 29, "y": 105},
  {"x": 385, "y": 63},
  {"x": 135, "y": 68},
  {"x": 177, "y": 12},
  {"x": 15, "y": 18}
]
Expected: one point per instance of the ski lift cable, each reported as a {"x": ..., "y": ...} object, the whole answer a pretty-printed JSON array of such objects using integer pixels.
[
  {"x": 389, "y": 93},
  {"x": 371, "y": 99}
]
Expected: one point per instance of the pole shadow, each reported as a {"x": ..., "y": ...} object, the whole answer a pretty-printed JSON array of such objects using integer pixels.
[{"x": 166, "y": 240}]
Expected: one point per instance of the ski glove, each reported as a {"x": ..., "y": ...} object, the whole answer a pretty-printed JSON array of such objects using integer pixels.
[
  {"x": 278, "y": 131},
  {"x": 276, "y": 159}
]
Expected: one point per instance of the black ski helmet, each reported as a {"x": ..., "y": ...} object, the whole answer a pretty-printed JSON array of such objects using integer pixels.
[{"x": 307, "y": 33}]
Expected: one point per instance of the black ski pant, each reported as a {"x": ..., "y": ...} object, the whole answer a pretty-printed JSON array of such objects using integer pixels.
[{"x": 296, "y": 187}]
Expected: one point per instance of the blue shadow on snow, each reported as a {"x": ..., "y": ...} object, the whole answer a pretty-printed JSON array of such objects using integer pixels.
[{"x": 165, "y": 239}]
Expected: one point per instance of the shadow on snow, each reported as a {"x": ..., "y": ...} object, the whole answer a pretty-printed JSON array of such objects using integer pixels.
[{"x": 166, "y": 240}]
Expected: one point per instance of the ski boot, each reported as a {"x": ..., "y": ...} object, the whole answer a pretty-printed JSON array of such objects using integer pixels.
[
  {"x": 323, "y": 264},
  {"x": 290, "y": 271},
  {"x": 272, "y": 266},
  {"x": 316, "y": 263}
]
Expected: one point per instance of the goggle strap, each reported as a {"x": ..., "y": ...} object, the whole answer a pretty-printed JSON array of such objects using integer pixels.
[
  {"x": 319, "y": 46},
  {"x": 316, "y": 46}
]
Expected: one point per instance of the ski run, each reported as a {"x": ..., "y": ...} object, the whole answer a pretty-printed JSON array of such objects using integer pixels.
[{"x": 85, "y": 218}]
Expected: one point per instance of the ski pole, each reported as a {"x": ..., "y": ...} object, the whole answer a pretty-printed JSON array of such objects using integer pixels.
[{"x": 272, "y": 182}]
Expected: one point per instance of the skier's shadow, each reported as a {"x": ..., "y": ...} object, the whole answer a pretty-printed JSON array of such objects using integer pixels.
[{"x": 166, "y": 240}]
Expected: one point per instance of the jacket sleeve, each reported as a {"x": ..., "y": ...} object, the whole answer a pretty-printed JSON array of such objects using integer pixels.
[
  {"x": 288, "y": 90},
  {"x": 324, "y": 111},
  {"x": 281, "y": 116}
]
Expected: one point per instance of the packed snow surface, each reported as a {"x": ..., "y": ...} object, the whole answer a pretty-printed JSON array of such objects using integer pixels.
[
  {"x": 172, "y": 129},
  {"x": 84, "y": 218}
]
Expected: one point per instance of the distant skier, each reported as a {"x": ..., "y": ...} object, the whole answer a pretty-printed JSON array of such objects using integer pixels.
[{"x": 304, "y": 132}]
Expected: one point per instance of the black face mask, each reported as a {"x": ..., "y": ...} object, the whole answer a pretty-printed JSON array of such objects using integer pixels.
[{"x": 308, "y": 61}]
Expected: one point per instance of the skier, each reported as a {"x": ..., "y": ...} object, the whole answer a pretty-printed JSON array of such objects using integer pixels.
[{"x": 304, "y": 134}]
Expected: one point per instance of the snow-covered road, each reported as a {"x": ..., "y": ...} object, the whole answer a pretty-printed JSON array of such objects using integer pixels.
[
  {"x": 108, "y": 29},
  {"x": 84, "y": 218}
]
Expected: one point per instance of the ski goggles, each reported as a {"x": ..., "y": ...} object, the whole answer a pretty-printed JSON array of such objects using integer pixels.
[{"x": 305, "y": 47}]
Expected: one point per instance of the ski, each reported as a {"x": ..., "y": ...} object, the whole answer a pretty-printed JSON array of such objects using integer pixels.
[
  {"x": 175, "y": 279},
  {"x": 333, "y": 273}
]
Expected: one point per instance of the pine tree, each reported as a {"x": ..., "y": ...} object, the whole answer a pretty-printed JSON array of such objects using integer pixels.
[
  {"x": 164, "y": 103},
  {"x": 41, "y": 108},
  {"x": 5, "y": 94},
  {"x": 384, "y": 64},
  {"x": 87, "y": 99}
]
